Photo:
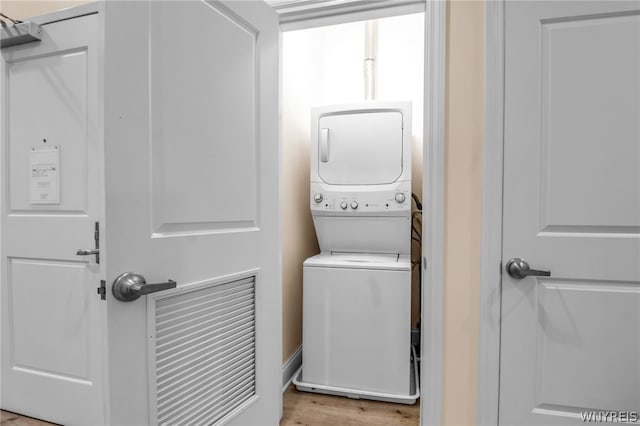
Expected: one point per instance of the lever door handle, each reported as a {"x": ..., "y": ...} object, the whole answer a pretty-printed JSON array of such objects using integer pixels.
[
  {"x": 86, "y": 252},
  {"x": 519, "y": 268},
  {"x": 130, "y": 286},
  {"x": 96, "y": 250}
]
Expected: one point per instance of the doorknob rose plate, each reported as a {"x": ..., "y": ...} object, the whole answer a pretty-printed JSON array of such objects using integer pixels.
[
  {"x": 515, "y": 265},
  {"x": 122, "y": 287}
]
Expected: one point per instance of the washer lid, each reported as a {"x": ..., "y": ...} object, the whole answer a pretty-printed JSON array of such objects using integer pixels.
[
  {"x": 360, "y": 148},
  {"x": 360, "y": 261}
]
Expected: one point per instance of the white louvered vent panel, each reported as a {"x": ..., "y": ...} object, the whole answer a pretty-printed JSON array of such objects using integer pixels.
[{"x": 205, "y": 353}]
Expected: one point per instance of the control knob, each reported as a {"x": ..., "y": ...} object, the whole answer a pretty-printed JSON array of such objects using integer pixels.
[
  {"x": 343, "y": 205},
  {"x": 400, "y": 197},
  {"x": 354, "y": 205},
  {"x": 317, "y": 198}
]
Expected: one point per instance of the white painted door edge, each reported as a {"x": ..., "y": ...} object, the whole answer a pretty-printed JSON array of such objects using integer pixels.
[
  {"x": 491, "y": 240},
  {"x": 433, "y": 224}
]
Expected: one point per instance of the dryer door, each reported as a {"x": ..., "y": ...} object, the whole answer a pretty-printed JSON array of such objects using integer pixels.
[{"x": 362, "y": 148}]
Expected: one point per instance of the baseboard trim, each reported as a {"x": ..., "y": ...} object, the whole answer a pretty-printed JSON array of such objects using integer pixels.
[{"x": 290, "y": 367}]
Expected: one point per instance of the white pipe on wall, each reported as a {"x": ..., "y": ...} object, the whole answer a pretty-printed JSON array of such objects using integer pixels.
[{"x": 370, "y": 57}]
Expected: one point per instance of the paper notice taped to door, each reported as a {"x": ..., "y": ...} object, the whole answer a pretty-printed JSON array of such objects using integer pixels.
[{"x": 44, "y": 169}]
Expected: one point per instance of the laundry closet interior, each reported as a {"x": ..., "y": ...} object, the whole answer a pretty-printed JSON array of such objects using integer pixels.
[
  {"x": 273, "y": 185},
  {"x": 352, "y": 66}
]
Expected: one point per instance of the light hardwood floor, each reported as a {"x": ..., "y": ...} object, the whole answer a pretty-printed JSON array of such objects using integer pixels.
[
  {"x": 308, "y": 409},
  {"x": 311, "y": 409},
  {"x": 12, "y": 419}
]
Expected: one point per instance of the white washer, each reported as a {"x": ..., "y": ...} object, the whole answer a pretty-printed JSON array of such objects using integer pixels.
[
  {"x": 357, "y": 292},
  {"x": 356, "y": 322}
]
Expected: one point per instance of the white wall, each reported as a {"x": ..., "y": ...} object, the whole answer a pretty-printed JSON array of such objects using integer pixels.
[{"x": 323, "y": 66}]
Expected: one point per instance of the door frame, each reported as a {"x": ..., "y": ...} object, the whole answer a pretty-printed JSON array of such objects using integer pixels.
[
  {"x": 488, "y": 390},
  {"x": 433, "y": 195},
  {"x": 300, "y": 14}
]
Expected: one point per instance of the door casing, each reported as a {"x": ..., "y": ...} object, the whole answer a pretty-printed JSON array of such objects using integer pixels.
[{"x": 491, "y": 238}]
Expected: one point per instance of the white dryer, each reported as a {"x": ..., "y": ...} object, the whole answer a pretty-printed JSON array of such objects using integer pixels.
[
  {"x": 361, "y": 177},
  {"x": 357, "y": 292}
]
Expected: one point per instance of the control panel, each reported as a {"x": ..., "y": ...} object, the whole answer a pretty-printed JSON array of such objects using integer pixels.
[{"x": 372, "y": 202}]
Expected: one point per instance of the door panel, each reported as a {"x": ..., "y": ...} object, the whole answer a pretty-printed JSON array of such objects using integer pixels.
[
  {"x": 60, "y": 78},
  {"x": 192, "y": 195},
  {"x": 570, "y": 343},
  {"x": 52, "y": 317},
  {"x": 573, "y": 343},
  {"x": 36, "y": 324},
  {"x": 204, "y": 118},
  {"x": 590, "y": 102}
]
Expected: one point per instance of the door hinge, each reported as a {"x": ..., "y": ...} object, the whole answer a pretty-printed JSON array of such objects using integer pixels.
[{"x": 102, "y": 290}]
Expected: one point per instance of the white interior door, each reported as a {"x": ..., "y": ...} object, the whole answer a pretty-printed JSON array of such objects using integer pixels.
[
  {"x": 192, "y": 158},
  {"x": 570, "y": 342},
  {"x": 52, "y": 318}
]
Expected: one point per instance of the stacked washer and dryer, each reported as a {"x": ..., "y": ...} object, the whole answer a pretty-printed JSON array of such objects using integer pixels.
[{"x": 357, "y": 291}]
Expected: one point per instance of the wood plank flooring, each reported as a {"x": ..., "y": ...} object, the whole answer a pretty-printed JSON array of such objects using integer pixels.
[
  {"x": 12, "y": 419},
  {"x": 312, "y": 409},
  {"x": 307, "y": 409}
]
